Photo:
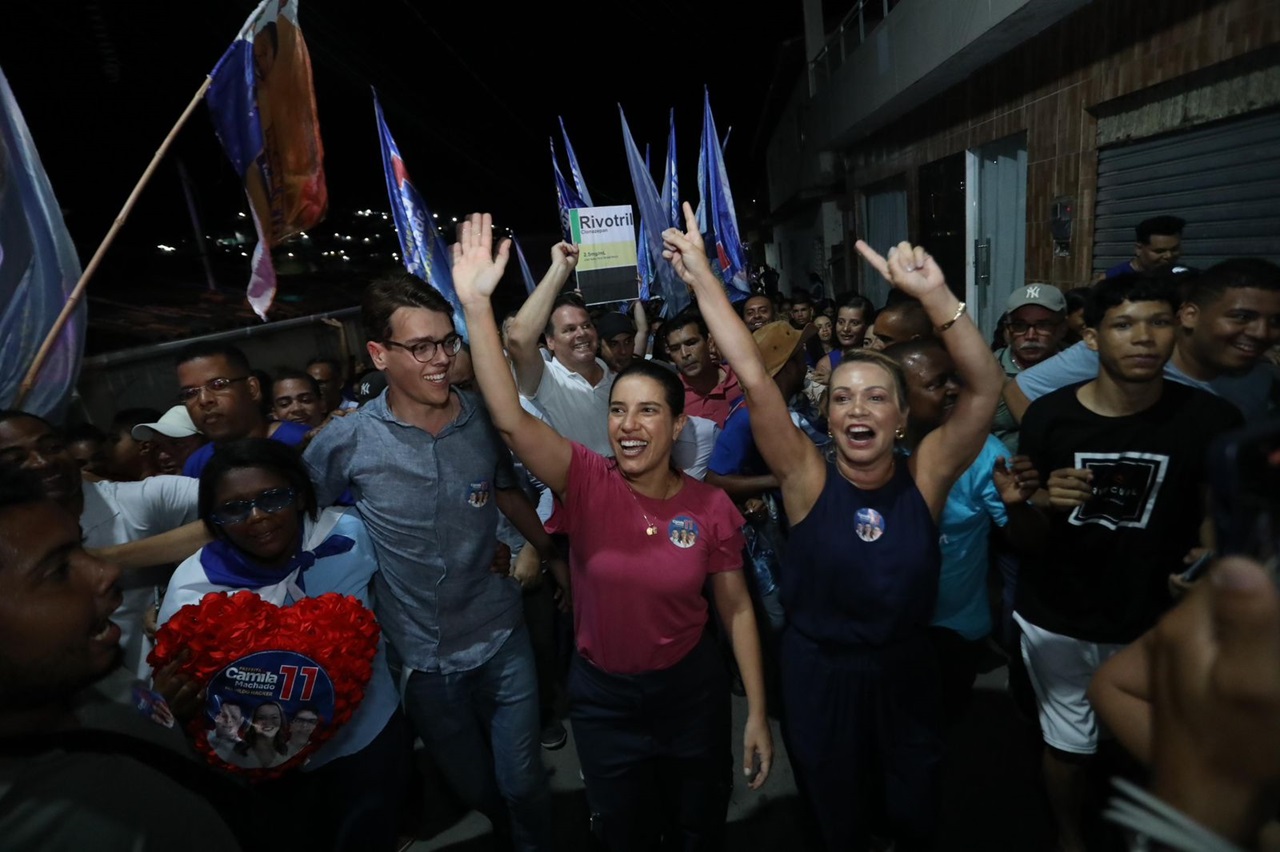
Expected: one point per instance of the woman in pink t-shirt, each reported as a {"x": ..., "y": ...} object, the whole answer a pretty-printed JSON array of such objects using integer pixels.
[{"x": 649, "y": 697}]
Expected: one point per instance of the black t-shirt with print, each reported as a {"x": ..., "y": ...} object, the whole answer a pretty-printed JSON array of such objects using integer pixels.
[{"x": 1104, "y": 574}]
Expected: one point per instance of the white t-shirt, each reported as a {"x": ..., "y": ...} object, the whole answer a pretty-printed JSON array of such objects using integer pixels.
[
  {"x": 122, "y": 512},
  {"x": 580, "y": 412},
  {"x": 574, "y": 407}
]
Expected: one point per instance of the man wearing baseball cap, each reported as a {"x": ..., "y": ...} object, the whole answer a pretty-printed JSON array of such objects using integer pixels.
[
  {"x": 617, "y": 334},
  {"x": 172, "y": 438},
  {"x": 1035, "y": 323}
]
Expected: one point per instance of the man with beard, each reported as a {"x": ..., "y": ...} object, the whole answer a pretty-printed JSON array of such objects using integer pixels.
[{"x": 1035, "y": 322}]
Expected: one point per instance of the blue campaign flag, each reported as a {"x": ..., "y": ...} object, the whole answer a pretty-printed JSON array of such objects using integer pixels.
[
  {"x": 644, "y": 264},
  {"x": 567, "y": 199},
  {"x": 423, "y": 250},
  {"x": 729, "y": 250},
  {"x": 578, "y": 180},
  {"x": 670, "y": 287},
  {"x": 671, "y": 179},
  {"x": 529, "y": 284},
  {"x": 38, "y": 271}
]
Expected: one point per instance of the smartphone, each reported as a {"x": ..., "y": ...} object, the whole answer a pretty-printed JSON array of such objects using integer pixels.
[
  {"x": 1198, "y": 567},
  {"x": 1244, "y": 479}
]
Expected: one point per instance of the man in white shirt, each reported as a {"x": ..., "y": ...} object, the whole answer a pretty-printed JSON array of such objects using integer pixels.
[{"x": 572, "y": 388}]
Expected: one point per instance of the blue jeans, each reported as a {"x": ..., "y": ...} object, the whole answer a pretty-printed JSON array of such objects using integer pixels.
[{"x": 481, "y": 727}]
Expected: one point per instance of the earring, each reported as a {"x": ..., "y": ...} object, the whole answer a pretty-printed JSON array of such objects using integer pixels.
[{"x": 900, "y": 433}]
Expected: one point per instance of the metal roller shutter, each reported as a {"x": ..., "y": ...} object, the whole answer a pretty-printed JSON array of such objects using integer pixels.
[{"x": 1224, "y": 179}]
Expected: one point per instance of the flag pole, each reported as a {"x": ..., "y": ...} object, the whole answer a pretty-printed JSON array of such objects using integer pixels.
[{"x": 78, "y": 292}]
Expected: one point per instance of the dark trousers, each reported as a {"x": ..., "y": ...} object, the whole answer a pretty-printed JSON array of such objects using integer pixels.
[
  {"x": 958, "y": 660},
  {"x": 352, "y": 803},
  {"x": 864, "y": 736},
  {"x": 654, "y": 749}
]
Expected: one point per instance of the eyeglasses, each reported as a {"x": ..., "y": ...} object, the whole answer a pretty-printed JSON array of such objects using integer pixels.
[
  {"x": 214, "y": 386},
  {"x": 300, "y": 720},
  {"x": 238, "y": 511},
  {"x": 1042, "y": 327},
  {"x": 424, "y": 350}
]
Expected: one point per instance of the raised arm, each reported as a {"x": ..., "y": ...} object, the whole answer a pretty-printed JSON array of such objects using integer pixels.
[
  {"x": 642, "y": 329},
  {"x": 531, "y": 320},
  {"x": 476, "y": 273},
  {"x": 785, "y": 449},
  {"x": 946, "y": 451}
]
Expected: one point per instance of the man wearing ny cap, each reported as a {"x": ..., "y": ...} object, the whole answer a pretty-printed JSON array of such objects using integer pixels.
[
  {"x": 1035, "y": 322},
  {"x": 172, "y": 438}
]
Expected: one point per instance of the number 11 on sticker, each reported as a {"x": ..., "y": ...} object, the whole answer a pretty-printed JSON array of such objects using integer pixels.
[{"x": 290, "y": 673}]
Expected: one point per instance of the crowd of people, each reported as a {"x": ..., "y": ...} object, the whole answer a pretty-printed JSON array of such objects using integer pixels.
[{"x": 612, "y": 518}]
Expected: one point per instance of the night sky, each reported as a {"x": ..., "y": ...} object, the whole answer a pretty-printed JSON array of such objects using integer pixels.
[{"x": 471, "y": 93}]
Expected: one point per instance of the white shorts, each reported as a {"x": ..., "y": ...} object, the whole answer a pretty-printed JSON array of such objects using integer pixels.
[{"x": 1061, "y": 668}]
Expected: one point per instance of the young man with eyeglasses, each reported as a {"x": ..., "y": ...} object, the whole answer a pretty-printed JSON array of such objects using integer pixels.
[
  {"x": 429, "y": 475},
  {"x": 225, "y": 401}
]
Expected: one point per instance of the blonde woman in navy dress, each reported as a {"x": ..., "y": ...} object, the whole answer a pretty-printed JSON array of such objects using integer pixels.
[{"x": 859, "y": 681}]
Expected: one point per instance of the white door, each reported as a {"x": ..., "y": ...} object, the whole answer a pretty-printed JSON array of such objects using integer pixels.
[
  {"x": 884, "y": 212},
  {"x": 997, "y": 222}
]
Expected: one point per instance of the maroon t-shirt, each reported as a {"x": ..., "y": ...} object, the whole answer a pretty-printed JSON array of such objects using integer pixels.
[
  {"x": 715, "y": 406},
  {"x": 637, "y": 598}
]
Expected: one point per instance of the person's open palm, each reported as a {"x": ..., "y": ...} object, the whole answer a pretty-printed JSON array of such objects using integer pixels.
[
  {"x": 909, "y": 268},
  {"x": 476, "y": 269}
]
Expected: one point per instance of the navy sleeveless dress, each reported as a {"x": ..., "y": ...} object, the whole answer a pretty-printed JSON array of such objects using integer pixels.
[{"x": 859, "y": 679}]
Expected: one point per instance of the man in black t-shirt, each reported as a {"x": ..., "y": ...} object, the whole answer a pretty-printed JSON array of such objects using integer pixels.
[
  {"x": 1124, "y": 459},
  {"x": 76, "y": 771}
]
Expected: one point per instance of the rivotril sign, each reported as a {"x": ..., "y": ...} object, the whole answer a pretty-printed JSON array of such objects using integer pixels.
[{"x": 607, "y": 265}]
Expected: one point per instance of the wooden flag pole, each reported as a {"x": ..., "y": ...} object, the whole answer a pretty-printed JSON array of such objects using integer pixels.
[{"x": 76, "y": 294}]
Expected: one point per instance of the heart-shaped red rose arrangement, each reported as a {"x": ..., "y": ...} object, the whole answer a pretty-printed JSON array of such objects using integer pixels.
[{"x": 279, "y": 681}]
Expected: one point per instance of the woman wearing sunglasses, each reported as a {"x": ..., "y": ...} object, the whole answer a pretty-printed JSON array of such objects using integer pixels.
[{"x": 259, "y": 505}]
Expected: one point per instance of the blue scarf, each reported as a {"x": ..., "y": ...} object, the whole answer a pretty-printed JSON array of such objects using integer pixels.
[{"x": 226, "y": 565}]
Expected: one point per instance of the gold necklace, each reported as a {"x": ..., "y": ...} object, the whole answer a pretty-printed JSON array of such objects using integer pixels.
[{"x": 651, "y": 526}]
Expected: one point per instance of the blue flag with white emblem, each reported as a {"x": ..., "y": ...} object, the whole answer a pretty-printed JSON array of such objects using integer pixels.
[
  {"x": 670, "y": 287},
  {"x": 423, "y": 250},
  {"x": 579, "y": 182},
  {"x": 723, "y": 220}
]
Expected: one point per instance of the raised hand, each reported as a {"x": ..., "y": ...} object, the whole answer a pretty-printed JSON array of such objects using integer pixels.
[
  {"x": 909, "y": 268},
  {"x": 685, "y": 250},
  {"x": 564, "y": 255},
  {"x": 1016, "y": 479},
  {"x": 476, "y": 270}
]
